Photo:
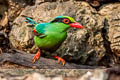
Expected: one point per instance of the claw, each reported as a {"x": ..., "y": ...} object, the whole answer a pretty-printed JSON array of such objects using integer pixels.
[
  {"x": 60, "y": 59},
  {"x": 36, "y": 57}
]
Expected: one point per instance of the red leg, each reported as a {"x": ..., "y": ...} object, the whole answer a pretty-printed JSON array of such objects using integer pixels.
[
  {"x": 36, "y": 57},
  {"x": 60, "y": 59}
]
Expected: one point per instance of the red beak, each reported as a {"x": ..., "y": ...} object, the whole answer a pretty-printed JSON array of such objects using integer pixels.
[{"x": 76, "y": 25}]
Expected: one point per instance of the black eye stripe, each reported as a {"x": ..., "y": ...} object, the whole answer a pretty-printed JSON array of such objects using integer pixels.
[{"x": 57, "y": 20}]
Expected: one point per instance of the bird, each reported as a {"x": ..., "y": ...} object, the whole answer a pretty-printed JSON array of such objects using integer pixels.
[{"x": 49, "y": 36}]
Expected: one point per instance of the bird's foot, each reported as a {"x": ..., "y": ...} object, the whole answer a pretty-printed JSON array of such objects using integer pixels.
[
  {"x": 36, "y": 57},
  {"x": 60, "y": 59}
]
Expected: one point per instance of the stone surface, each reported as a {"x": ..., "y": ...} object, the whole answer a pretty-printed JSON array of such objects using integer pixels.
[
  {"x": 16, "y": 6},
  {"x": 96, "y": 74},
  {"x": 9, "y": 10},
  {"x": 48, "y": 72},
  {"x": 60, "y": 74},
  {"x": 83, "y": 46},
  {"x": 112, "y": 25}
]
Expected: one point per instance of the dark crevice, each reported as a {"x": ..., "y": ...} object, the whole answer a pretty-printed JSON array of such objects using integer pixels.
[
  {"x": 108, "y": 58},
  {"x": 1, "y": 16}
]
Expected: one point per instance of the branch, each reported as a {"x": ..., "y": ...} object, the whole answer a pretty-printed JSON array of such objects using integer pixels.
[{"x": 25, "y": 59}]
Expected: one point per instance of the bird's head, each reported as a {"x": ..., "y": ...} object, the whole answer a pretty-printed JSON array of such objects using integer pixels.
[
  {"x": 67, "y": 20},
  {"x": 60, "y": 23}
]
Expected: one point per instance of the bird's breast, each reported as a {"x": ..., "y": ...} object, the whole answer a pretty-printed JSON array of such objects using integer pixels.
[{"x": 52, "y": 41}]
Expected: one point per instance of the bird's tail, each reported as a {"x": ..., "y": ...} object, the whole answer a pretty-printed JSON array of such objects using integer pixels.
[{"x": 31, "y": 21}]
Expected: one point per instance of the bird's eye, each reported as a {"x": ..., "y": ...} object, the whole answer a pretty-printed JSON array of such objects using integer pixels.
[{"x": 66, "y": 21}]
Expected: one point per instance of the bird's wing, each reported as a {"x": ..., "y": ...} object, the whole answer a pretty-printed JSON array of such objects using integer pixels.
[{"x": 40, "y": 28}]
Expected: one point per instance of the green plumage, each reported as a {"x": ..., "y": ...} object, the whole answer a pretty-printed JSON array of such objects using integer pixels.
[
  {"x": 54, "y": 33},
  {"x": 51, "y": 34}
]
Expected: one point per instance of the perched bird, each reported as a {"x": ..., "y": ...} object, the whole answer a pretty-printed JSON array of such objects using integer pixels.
[{"x": 49, "y": 36}]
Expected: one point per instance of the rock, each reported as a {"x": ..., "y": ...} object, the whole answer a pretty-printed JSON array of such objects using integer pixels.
[
  {"x": 98, "y": 3},
  {"x": 9, "y": 10},
  {"x": 113, "y": 73},
  {"x": 48, "y": 72},
  {"x": 4, "y": 42},
  {"x": 95, "y": 75},
  {"x": 13, "y": 8},
  {"x": 16, "y": 6},
  {"x": 112, "y": 25},
  {"x": 36, "y": 75},
  {"x": 82, "y": 46},
  {"x": 4, "y": 20},
  {"x": 3, "y": 13},
  {"x": 58, "y": 78}
]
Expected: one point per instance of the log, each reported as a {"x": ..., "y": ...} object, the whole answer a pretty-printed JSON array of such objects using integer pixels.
[{"x": 22, "y": 58}]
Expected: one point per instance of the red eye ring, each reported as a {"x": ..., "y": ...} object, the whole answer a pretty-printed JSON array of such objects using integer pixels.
[{"x": 66, "y": 21}]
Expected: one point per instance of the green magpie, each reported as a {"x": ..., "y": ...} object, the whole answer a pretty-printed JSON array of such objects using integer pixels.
[{"x": 49, "y": 36}]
